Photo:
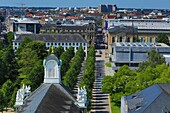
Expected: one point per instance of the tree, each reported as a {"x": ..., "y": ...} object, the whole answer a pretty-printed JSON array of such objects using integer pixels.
[
  {"x": 22, "y": 45},
  {"x": 10, "y": 67},
  {"x": 88, "y": 77},
  {"x": 30, "y": 59},
  {"x": 9, "y": 37},
  {"x": 7, "y": 89},
  {"x": 2, "y": 101},
  {"x": 2, "y": 72},
  {"x": 126, "y": 82},
  {"x": 13, "y": 98},
  {"x": 70, "y": 78},
  {"x": 59, "y": 51},
  {"x": 154, "y": 58},
  {"x": 163, "y": 38}
]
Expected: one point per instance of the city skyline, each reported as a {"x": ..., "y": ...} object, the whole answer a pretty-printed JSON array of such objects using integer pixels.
[{"x": 159, "y": 4}]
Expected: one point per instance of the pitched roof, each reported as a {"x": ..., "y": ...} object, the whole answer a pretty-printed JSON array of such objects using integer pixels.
[
  {"x": 52, "y": 37},
  {"x": 50, "y": 98},
  {"x": 153, "y": 99}
]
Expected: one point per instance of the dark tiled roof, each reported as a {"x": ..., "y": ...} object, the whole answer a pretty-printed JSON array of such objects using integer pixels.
[
  {"x": 51, "y": 98},
  {"x": 71, "y": 27},
  {"x": 153, "y": 99},
  {"x": 124, "y": 29},
  {"x": 52, "y": 37}
]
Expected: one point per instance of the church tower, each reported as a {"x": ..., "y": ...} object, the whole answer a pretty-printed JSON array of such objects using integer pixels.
[{"x": 52, "y": 69}]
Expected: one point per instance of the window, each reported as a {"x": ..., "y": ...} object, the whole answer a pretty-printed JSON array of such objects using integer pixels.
[
  {"x": 62, "y": 43},
  {"x": 15, "y": 43},
  {"x": 55, "y": 43},
  {"x": 51, "y": 43},
  {"x": 150, "y": 39},
  {"x": 77, "y": 48},
  {"x": 84, "y": 48},
  {"x": 81, "y": 44},
  {"x": 70, "y": 44},
  {"x": 59, "y": 44},
  {"x": 120, "y": 39},
  {"x": 142, "y": 39},
  {"x": 128, "y": 39},
  {"x": 30, "y": 27},
  {"x": 66, "y": 44},
  {"x": 73, "y": 44},
  {"x": 113, "y": 39},
  {"x": 48, "y": 43},
  {"x": 77, "y": 44},
  {"x": 66, "y": 47},
  {"x": 84, "y": 44}
]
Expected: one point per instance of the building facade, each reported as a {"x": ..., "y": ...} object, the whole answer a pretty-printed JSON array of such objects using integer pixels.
[
  {"x": 25, "y": 25},
  {"x": 132, "y": 54},
  {"x": 128, "y": 30},
  {"x": 56, "y": 40},
  {"x": 105, "y": 8},
  {"x": 86, "y": 31}
]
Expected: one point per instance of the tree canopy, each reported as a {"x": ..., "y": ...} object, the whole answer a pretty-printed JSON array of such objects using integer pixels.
[
  {"x": 126, "y": 81},
  {"x": 163, "y": 38}
]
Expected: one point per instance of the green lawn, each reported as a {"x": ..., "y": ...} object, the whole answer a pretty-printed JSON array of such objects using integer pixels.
[
  {"x": 108, "y": 64},
  {"x": 115, "y": 109}
]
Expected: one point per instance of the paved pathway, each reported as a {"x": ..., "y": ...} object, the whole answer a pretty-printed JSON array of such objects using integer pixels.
[{"x": 100, "y": 100}]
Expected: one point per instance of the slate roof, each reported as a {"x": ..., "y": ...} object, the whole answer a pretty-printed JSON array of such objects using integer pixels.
[
  {"x": 52, "y": 37},
  {"x": 124, "y": 29},
  {"x": 50, "y": 98},
  {"x": 71, "y": 27},
  {"x": 153, "y": 99}
]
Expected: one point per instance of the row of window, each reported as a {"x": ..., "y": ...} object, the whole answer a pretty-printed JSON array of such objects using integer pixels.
[
  {"x": 48, "y": 43},
  {"x": 75, "y": 48},
  {"x": 53, "y": 30},
  {"x": 142, "y": 39},
  {"x": 63, "y": 44}
]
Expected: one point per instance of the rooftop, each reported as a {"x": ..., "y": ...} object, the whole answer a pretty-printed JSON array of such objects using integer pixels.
[
  {"x": 153, "y": 99},
  {"x": 139, "y": 44},
  {"x": 58, "y": 97},
  {"x": 25, "y": 20},
  {"x": 52, "y": 37}
]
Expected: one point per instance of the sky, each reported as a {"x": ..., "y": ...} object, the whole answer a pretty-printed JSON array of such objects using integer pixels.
[{"x": 156, "y": 4}]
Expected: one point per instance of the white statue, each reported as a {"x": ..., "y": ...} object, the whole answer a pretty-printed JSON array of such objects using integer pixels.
[
  {"x": 22, "y": 94},
  {"x": 82, "y": 95}
]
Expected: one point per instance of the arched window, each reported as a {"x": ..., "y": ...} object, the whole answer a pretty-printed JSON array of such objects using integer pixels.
[
  {"x": 150, "y": 39},
  {"x": 120, "y": 38},
  {"x": 113, "y": 39},
  {"x": 128, "y": 39}
]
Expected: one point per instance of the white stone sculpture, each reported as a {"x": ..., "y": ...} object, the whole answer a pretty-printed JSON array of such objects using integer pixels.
[
  {"x": 22, "y": 94},
  {"x": 82, "y": 97}
]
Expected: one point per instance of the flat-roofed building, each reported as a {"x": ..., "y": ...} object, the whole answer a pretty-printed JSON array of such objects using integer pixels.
[
  {"x": 25, "y": 25},
  {"x": 132, "y": 54}
]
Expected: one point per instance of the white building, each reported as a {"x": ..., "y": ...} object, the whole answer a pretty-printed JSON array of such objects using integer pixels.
[{"x": 56, "y": 40}]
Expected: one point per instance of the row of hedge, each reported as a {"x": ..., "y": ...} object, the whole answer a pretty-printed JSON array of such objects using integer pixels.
[
  {"x": 88, "y": 77},
  {"x": 70, "y": 77}
]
